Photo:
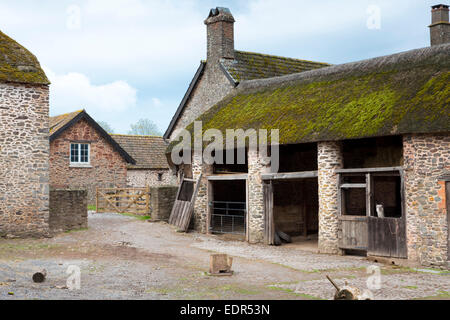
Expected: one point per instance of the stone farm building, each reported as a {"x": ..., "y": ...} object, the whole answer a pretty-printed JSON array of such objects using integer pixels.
[
  {"x": 24, "y": 147},
  {"x": 364, "y": 147},
  {"x": 151, "y": 167},
  {"x": 84, "y": 156}
]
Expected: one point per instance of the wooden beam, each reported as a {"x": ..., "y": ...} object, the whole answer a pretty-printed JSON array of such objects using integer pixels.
[
  {"x": 369, "y": 170},
  {"x": 290, "y": 175},
  {"x": 354, "y": 186},
  {"x": 228, "y": 177}
]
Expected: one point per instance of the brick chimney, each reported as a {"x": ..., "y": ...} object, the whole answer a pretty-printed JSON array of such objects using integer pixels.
[
  {"x": 440, "y": 25},
  {"x": 220, "y": 27}
]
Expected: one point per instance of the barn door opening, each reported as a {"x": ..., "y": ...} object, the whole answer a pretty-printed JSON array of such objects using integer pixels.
[
  {"x": 228, "y": 208},
  {"x": 372, "y": 212}
]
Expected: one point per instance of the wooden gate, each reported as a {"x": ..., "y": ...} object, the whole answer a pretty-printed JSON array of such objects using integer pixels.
[
  {"x": 124, "y": 200},
  {"x": 387, "y": 237},
  {"x": 184, "y": 204}
]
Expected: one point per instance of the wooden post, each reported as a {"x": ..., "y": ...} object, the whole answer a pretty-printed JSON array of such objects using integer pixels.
[{"x": 147, "y": 199}]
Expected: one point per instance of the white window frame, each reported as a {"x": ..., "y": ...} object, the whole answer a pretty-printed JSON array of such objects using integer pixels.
[{"x": 79, "y": 163}]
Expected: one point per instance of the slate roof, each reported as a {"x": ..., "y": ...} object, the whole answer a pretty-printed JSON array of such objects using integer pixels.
[
  {"x": 148, "y": 151},
  {"x": 403, "y": 93},
  {"x": 19, "y": 65},
  {"x": 59, "y": 124},
  {"x": 250, "y": 66}
]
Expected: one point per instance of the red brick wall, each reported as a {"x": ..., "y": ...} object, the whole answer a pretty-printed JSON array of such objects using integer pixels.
[{"x": 108, "y": 168}]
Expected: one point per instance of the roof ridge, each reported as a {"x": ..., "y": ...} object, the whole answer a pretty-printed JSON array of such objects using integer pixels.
[
  {"x": 410, "y": 56},
  {"x": 282, "y": 57},
  {"x": 136, "y": 135}
]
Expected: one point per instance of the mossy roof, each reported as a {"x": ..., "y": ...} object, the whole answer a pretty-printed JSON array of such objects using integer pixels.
[
  {"x": 403, "y": 93},
  {"x": 148, "y": 151},
  {"x": 17, "y": 64},
  {"x": 250, "y": 66}
]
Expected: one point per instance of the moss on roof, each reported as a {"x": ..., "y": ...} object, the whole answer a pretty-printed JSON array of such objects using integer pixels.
[
  {"x": 403, "y": 93},
  {"x": 17, "y": 64},
  {"x": 59, "y": 121},
  {"x": 250, "y": 66}
]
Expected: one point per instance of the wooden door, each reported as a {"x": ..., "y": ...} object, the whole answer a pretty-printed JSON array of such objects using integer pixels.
[
  {"x": 268, "y": 214},
  {"x": 354, "y": 234},
  {"x": 184, "y": 204},
  {"x": 447, "y": 186},
  {"x": 387, "y": 237}
]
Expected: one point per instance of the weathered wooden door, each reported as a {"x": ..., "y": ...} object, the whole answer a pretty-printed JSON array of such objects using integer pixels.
[
  {"x": 268, "y": 214},
  {"x": 447, "y": 186},
  {"x": 387, "y": 237},
  {"x": 354, "y": 233},
  {"x": 184, "y": 204}
]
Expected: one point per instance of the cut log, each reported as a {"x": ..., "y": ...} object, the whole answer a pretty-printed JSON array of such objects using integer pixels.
[
  {"x": 284, "y": 237},
  {"x": 39, "y": 277}
]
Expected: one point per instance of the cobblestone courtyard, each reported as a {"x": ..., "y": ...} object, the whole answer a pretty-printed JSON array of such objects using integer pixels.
[{"x": 126, "y": 258}]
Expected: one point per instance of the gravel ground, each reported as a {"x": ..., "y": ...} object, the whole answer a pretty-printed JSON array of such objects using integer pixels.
[{"x": 124, "y": 258}]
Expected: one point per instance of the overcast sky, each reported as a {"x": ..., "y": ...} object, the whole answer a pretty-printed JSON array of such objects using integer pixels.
[{"x": 123, "y": 60}]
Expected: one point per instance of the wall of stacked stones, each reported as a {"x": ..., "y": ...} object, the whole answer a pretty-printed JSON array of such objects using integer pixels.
[
  {"x": 212, "y": 88},
  {"x": 143, "y": 178},
  {"x": 24, "y": 153},
  {"x": 68, "y": 210},
  {"x": 427, "y": 159},
  {"x": 107, "y": 168},
  {"x": 329, "y": 160},
  {"x": 162, "y": 201}
]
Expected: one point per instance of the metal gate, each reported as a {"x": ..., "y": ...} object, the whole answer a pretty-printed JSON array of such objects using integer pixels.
[{"x": 228, "y": 217}]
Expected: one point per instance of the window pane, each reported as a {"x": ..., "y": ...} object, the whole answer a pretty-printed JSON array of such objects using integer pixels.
[
  {"x": 84, "y": 153},
  {"x": 74, "y": 153}
]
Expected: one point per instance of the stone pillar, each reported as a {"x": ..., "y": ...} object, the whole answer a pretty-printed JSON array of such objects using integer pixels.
[
  {"x": 255, "y": 198},
  {"x": 329, "y": 160},
  {"x": 201, "y": 202},
  {"x": 426, "y": 160}
]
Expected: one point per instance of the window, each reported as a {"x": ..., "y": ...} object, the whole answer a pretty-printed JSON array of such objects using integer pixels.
[
  {"x": 375, "y": 194},
  {"x": 79, "y": 153},
  {"x": 160, "y": 176}
]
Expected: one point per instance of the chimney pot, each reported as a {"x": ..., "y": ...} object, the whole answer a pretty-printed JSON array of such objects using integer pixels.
[
  {"x": 220, "y": 28},
  {"x": 440, "y": 25}
]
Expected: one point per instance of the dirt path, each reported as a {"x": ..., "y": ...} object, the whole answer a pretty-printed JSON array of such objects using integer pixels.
[{"x": 125, "y": 258}]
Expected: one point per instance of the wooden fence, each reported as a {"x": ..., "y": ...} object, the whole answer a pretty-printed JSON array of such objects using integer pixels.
[{"x": 123, "y": 200}]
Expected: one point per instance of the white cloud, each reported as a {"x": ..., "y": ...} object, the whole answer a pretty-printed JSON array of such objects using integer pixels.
[
  {"x": 157, "y": 102},
  {"x": 73, "y": 91}
]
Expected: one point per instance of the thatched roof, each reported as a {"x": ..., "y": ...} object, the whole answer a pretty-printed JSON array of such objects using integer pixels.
[
  {"x": 402, "y": 93},
  {"x": 17, "y": 64},
  {"x": 148, "y": 151}
]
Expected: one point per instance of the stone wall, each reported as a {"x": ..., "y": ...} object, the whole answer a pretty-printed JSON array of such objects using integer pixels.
[
  {"x": 162, "y": 201},
  {"x": 329, "y": 159},
  {"x": 201, "y": 202},
  {"x": 107, "y": 168},
  {"x": 212, "y": 87},
  {"x": 255, "y": 198},
  {"x": 143, "y": 178},
  {"x": 24, "y": 152},
  {"x": 68, "y": 210},
  {"x": 427, "y": 158}
]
